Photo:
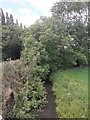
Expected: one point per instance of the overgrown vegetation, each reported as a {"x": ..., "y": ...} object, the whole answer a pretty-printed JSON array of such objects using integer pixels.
[
  {"x": 71, "y": 90},
  {"x": 29, "y": 91},
  {"x": 11, "y": 42},
  {"x": 51, "y": 43}
]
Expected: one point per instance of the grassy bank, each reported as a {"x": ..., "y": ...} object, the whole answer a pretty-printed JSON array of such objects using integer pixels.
[{"x": 71, "y": 90}]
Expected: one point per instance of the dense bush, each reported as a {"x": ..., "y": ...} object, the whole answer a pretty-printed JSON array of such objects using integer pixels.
[
  {"x": 65, "y": 47},
  {"x": 24, "y": 77},
  {"x": 30, "y": 100},
  {"x": 28, "y": 90},
  {"x": 35, "y": 52}
]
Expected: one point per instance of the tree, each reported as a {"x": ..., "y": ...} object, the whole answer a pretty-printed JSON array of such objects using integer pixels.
[
  {"x": 11, "y": 21},
  {"x": 75, "y": 16},
  {"x": 2, "y": 17},
  {"x": 17, "y": 23},
  {"x": 70, "y": 12},
  {"x": 7, "y": 19},
  {"x": 56, "y": 40},
  {"x": 21, "y": 25},
  {"x": 11, "y": 42}
]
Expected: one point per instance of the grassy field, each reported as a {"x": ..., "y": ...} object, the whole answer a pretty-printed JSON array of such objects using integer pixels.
[{"x": 71, "y": 90}]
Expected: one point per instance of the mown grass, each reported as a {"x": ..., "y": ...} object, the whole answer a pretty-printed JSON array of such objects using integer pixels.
[{"x": 71, "y": 90}]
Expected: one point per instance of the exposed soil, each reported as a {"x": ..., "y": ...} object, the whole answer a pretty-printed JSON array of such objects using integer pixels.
[{"x": 49, "y": 111}]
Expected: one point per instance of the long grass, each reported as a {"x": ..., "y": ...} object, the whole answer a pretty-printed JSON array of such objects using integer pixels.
[{"x": 71, "y": 90}]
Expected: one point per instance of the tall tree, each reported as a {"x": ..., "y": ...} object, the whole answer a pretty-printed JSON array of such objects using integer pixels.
[
  {"x": 11, "y": 21},
  {"x": 7, "y": 19},
  {"x": 17, "y": 23},
  {"x": 11, "y": 42},
  {"x": 71, "y": 11},
  {"x": 21, "y": 25},
  {"x": 2, "y": 17},
  {"x": 75, "y": 16}
]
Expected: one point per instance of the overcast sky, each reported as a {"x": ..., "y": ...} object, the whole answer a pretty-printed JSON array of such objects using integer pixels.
[{"x": 27, "y": 11}]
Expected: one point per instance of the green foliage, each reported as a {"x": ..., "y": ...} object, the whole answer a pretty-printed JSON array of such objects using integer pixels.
[
  {"x": 69, "y": 12},
  {"x": 11, "y": 42},
  {"x": 31, "y": 68},
  {"x": 63, "y": 40},
  {"x": 10, "y": 37},
  {"x": 72, "y": 14},
  {"x": 12, "y": 75},
  {"x": 29, "y": 91},
  {"x": 57, "y": 44},
  {"x": 31, "y": 99},
  {"x": 71, "y": 90},
  {"x": 34, "y": 54}
]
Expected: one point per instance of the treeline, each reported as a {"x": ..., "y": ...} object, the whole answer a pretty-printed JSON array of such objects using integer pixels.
[
  {"x": 10, "y": 37},
  {"x": 7, "y": 19}
]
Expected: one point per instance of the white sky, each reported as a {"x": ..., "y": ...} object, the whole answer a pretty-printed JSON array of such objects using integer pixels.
[{"x": 27, "y": 11}]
